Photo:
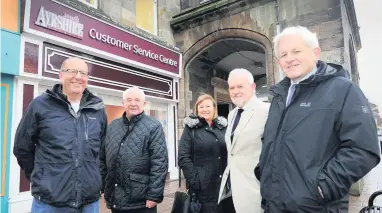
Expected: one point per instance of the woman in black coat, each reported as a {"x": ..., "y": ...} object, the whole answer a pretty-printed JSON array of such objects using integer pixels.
[{"x": 203, "y": 152}]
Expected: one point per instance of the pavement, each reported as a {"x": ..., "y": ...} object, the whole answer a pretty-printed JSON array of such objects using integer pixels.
[{"x": 165, "y": 207}]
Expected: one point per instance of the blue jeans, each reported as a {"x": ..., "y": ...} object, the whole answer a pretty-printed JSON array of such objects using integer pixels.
[{"x": 40, "y": 207}]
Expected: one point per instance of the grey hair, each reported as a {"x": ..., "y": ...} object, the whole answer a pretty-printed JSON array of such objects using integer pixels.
[
  {"x": 124, "y": 94},
  {"x": 309, "y": 37},
  {"x": 241, "y": 71}
]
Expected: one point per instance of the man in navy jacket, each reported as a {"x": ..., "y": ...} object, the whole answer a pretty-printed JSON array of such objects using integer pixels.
[
  {"x": 57, "y": 144},
  {"x": 320, "y": 136}
]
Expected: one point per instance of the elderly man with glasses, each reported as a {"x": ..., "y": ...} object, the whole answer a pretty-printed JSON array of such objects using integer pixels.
[{"x": 57, "y": 144}]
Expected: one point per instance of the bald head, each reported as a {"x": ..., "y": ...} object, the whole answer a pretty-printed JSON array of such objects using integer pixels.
[
  {"x": 74, "y": 63},
  {"x": 74, "y": 77}
]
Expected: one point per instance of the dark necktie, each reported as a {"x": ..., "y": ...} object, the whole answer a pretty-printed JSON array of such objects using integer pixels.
[{"x": 236, "y": 122}]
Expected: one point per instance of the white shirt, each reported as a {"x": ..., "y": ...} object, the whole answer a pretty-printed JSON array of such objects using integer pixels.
[
  {"x": 293, "y": 84},
  {"x": 75, "y": 106}
]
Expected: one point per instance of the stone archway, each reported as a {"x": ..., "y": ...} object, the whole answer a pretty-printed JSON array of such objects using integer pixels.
[
  {"x": 203, "y": 43},
  {"x": 353, "y": 62},
  {"x": 236, "y": 33}
]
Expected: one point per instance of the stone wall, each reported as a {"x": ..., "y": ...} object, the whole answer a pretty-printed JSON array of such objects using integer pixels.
[
  {"x": 323, "y": 17},
  {"x": 350, "y": 43},
  {"x": 166, "y": 10},
  {"x": 200, "y": 84},
  {"x": 123, "y": 12},
  {"x": 195, "y": 29},
  {"x": 253, "y": 21},
  {"x": 199, "y": 28}
]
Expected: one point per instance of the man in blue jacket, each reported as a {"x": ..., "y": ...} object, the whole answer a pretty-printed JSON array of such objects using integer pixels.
[
  {"x": 320, "y": 136},
  {"x": 57, "y": 144}
]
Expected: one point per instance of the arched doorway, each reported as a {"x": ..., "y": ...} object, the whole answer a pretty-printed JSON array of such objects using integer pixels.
[
  {"x": 208, "y": 71},
  {"x": 209, "y": 61}
]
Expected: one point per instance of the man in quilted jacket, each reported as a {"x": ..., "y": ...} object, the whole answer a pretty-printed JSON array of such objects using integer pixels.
[{"x": 134, "y": 160}]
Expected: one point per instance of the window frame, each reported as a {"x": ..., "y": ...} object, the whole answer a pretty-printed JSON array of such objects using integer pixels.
[
  {"x": 95, "y": 5},
  {"x": 155, "y": 8},
  {"x": 201, "y": 2}
]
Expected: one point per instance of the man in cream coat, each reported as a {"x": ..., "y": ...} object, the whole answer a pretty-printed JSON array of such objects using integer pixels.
[{"x": 243, "y": 138}]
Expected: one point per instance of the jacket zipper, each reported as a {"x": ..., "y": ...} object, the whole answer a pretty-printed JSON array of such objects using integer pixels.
[
  {"x": 76, "y": 116},
  {"x": 86, "y": 127},
  {"x": 112, "y": 199},
  {"x": 286, "y": 110},
  {"x": 278, "y": 138}
]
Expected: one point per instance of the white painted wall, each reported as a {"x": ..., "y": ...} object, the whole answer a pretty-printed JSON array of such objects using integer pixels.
[{"x": 369, "y": 17}]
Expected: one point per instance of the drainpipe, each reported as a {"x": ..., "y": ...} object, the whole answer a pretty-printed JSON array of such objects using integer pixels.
[{"x": 278, "y": 31}]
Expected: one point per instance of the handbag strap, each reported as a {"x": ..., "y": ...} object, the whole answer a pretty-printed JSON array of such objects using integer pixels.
[{"x": 193, "y": 158}]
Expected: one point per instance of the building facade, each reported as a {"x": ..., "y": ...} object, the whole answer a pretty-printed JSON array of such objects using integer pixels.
[
  {"x": 117, "y": 55},
  {"x": 217, "y": 36},
  {"x": 10, "y": 57},
  {"x": 173, "y": 49}
]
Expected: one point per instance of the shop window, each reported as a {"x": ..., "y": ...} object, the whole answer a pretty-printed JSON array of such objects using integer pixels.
[
  {"x": 113, "y": 112},
  {"x": 92, "y": 3},
  {"x": 159, "y": 112},
  {"x": 146, "y": 15}
]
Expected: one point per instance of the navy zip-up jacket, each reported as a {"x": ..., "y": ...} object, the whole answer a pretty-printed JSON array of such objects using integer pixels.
[
  {"x": 58, "y": 149},
  {"x": 326, "y": 137}
]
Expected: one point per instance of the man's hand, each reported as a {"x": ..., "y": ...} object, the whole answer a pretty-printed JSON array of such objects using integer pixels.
[
  {"x": 103, "y": 198},
  {"x": 150, "y": 204}
]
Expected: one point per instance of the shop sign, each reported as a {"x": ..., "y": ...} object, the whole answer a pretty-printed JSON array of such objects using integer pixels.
[{"x": 56, "y": 20}]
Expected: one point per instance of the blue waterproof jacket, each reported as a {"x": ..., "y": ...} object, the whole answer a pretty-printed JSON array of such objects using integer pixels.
[{"x": 58, "y": 149}]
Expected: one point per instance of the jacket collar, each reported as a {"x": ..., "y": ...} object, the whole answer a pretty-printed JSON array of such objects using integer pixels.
[
  {"x": 88, "y": 99},
  {"x": 324, "y": 72},
  {"x": 134, "y": 119},
  {"x": 194, "y": 121}
]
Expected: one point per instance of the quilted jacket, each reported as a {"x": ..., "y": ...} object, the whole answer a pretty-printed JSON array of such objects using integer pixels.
[{"x": 134, "y": 162}]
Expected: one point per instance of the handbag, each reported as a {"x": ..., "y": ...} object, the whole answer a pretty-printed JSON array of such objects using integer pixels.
[
  {"x": 371, "y": 208},
  {"x": 181, "y": 203},
  {"x": 186, "y": 202}
]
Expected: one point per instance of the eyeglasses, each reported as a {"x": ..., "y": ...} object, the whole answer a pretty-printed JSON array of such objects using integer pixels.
[{"x": 75, "y": 72}]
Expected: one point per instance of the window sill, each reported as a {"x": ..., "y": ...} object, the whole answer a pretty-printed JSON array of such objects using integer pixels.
[{"x": 95, "y": 5}]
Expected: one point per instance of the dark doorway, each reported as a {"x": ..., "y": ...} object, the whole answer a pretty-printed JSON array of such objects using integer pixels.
[{"x": 223, "y": 110}]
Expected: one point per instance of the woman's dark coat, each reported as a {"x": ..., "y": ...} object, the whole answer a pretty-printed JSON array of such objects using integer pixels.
[{"x": 203, "y": 172}]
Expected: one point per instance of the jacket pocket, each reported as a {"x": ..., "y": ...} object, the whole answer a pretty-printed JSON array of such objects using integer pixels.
[
  {"x": 138, "y": 186},
  {"x": 92, "y": 147},
  {"x": 92, "y": 137},
  {"x": 200, "y": 182},
  {"x": 57, "y": 182},
  {"x": 37, "y": 178},
  {"x": 328, "y": 188},
  {"x": 91, "y": 180}
]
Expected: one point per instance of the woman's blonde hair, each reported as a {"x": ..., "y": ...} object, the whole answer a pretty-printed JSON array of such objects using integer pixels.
[{"x": 202, "y": 98}]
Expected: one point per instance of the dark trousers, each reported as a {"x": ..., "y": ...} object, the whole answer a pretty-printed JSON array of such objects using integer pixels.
[
  {"x": 227, "y": 205},
  {"x": 144, "y": 210}
]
